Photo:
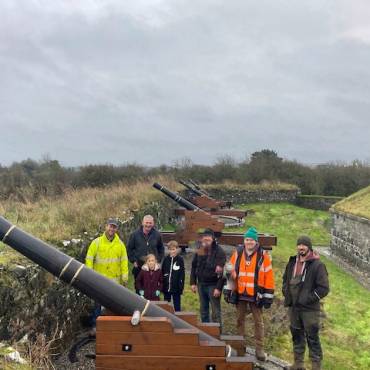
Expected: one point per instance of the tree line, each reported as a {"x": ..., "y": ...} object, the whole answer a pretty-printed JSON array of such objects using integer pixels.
[{"x": 30, "y": 179}]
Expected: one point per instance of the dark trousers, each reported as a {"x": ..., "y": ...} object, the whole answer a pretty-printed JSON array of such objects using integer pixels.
[
  {"x": 304, "y": 326},
  {"x": 135, "y": 273},
  {"x": 206, "y": 299},
  {"x": 176, "y": 299},
  {"x": 95, "y": 314}
]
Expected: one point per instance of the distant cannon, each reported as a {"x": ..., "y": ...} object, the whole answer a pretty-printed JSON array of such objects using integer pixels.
[
  {"x": 192, "y": 189},
  {"x": 196, "y": 186},
  {"x": 195, "y": 219},
  {"x": 160, "y": 340},
  {"x": 202, "y": 199},
  {"x": 177, "y": 198},
  {"x": 215, "y": 207}
]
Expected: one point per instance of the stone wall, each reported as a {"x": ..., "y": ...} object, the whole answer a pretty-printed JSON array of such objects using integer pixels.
[
  {"x": 319, "y": 202},
  {"x": 244, "y": 196},
  {"x": 351, "y": 239},
  {"x": 33, "y": 301}
]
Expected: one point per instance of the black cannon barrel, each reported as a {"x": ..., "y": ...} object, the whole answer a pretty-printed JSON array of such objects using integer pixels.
[
  {"x": 111, "y": 295},
  {"x": 191, "y": 188},
  {"x": 177, "y": 198},
  {"x": 196, "y": 186}
]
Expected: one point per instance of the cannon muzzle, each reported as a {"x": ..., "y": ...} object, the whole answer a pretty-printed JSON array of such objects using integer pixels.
[
  {"x": 191, "y": 188},
  {"x": 196, "y": 186},
  {"x": 177, "y": 198}
]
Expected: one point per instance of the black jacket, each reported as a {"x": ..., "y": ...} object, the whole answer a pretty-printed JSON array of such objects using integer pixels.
[
  {"x": 140, "y": 245},
  {"x": 314, "y": 287},
  {"x": 173, "y": 270},
  {"x": 203, "y": 267}
]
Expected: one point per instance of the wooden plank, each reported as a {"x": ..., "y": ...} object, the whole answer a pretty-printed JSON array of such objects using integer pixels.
[
  {"x": 165, "y": 305},
  {"x": 230, "y": 212},
  {"x": 179, "y": 336},
  {"x": 189, "y": 317},
  {"x": 235, "y": 341},
  {"x": 208, "y": 350},
  {"x": 211, "y": 328},
  {"x": 266, "y": 241},
  {"x": 123, "y": 323},
  {"x": 170, "y": 363}
]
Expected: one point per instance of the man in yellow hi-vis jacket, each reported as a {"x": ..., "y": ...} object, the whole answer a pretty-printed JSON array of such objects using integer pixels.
[{"x": 107, "y": 255}]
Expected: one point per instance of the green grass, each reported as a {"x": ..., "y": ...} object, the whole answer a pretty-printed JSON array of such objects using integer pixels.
[
  {"x": 346, "y": 332},
  {"x": 313, "y": 196},
  {"x": 357, "y": 204}
]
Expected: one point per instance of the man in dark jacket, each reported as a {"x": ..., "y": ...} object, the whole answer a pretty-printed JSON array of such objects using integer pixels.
[
  {"x": 305, "y": 283},
  {"x": 145, "y": 240},
  {"x": 207, "y": 275}
]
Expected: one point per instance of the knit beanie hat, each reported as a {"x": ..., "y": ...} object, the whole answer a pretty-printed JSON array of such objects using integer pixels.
[
  {"x": 207, "y": 232},
  {"x": 252, "y": 233},
  {"x": 305, "y": 240}
]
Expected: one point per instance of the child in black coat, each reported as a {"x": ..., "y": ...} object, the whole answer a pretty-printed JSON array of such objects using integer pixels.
[{"x": 173, "y": 270}]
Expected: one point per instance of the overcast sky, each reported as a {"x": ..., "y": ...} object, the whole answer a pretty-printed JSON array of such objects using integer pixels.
[{"x": 155, "y": 81}]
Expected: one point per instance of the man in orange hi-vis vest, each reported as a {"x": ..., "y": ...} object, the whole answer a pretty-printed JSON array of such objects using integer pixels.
[{"x": 252, "y": 272}]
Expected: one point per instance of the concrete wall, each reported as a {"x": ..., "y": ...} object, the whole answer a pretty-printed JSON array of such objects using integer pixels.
[{"x": 351, "y": 239}]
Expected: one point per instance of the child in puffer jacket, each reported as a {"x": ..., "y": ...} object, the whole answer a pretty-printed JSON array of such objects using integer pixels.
[{"x": 149, "y": 281}]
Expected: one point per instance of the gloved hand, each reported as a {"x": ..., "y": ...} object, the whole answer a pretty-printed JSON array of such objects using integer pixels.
[
  {"x": 141, "y": 292},
  {"x": 267, "y": 305},
  {"x": 157, "y": 293}
]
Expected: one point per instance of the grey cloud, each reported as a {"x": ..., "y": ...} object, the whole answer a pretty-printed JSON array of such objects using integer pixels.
[{"x": 154, "y": 82}]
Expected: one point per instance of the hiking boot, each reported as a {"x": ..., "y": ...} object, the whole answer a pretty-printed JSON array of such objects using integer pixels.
[
  {"x": 260, "y": 354},
  {"x": 316, "y": 365},
  {"x": 298, "y": 362},
  {"x": 298, "y": 365}
]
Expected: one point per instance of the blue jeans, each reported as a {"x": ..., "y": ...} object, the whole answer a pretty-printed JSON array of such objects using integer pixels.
[
  {"x": 206, "y": 298},
  {"x": 176, "y": 299}
]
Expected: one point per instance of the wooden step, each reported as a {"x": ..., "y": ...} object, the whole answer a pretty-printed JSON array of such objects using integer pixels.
[
  {"x": 123, "y": 323},
  {"x": 236, "y": 342},
  {"x": 178, "y": 336},
  {"x": 204, "y": 349},
  {"x": 211, "y": 328},
  {"x": 165, "y": 305},
  {"x": 109, "y": 362},
  {"x": 189, "y": 317}
]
